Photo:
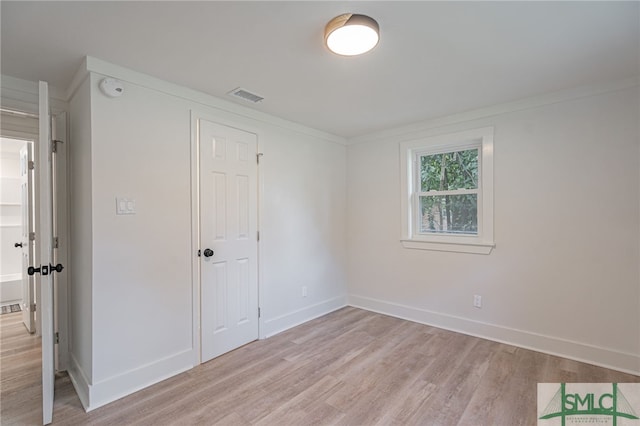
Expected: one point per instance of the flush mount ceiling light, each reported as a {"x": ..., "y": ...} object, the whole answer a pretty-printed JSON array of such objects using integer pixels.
[{"x": 351, "y": 34}]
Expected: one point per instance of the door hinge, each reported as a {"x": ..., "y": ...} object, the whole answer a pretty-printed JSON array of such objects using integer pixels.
[
  {"x": 54, "y": 145},
  {"x": 258, "y": 155},
  {"x": 57, "y": 337},
  {"x": 258, "y": 235},
  {"x": 33, "y": 307},
  {"x": 259, "y": 313},
  {"x": 32, "y": 236},
  {"x": 55, "y": 242},
  {"x": 32, "y": 165}
]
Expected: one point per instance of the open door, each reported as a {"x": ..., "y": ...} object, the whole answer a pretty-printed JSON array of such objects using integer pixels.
[
  {"x": 26, "y": 242},
  {"x": 46, "y": 255}
]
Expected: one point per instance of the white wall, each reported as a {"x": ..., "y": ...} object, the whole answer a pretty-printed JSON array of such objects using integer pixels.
[
  {"x": 304, "y": 228},
  {"x": 141, "y": 263},
  {"x": 136, "y": 270},
  {"x": 564, "y": 275}
]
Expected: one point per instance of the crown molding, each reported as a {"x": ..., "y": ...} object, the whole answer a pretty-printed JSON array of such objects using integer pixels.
[
  {"x": 98, "y": 66},
  {"x": 508, "y": 107}
]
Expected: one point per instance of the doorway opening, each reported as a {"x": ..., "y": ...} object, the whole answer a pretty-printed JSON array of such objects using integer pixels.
[
  {"x": 21, "y": 345},
  {"x": 17, "y": 225},
  {"x": 17, "y": 293},
  {"x": 29, "y": 361}
]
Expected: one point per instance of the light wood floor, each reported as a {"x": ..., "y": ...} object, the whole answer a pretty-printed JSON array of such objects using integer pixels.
[{"x": 351, "y": 367}]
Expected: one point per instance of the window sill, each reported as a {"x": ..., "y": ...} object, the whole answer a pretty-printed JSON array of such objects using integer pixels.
[{"x": 473, "y": 248}]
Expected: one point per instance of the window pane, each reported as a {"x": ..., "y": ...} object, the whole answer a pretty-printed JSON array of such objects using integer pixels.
[
  {"x": 450, "y": 214},
  {"x": 449, "y": 171}
]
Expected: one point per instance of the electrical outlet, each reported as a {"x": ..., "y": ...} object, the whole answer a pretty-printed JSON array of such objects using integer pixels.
[
  {"x": 304, "y": 291},
  {"x": 477, "y": 301}
]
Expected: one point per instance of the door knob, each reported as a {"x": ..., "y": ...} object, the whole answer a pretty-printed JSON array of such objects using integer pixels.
[
  {"x": 45, "y": 269},
  {"x": 57, "y": 268},
  {"x": 17, "y": 245},
  {"x": 208, "y": 253}
]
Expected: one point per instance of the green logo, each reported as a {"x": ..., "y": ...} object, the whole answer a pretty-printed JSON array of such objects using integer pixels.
[{"x": 585, "y": 402}]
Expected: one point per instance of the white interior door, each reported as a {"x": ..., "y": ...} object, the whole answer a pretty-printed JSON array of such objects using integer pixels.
[
  {"x": 229, "y": 240},
  {"x": 26, "y": 194},
  {"x": 44, "y": 238}
]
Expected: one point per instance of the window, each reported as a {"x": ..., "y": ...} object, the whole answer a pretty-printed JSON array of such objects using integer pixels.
[
  {"x": 447, "y": 187},
  {"x": 448, "y": 192}
]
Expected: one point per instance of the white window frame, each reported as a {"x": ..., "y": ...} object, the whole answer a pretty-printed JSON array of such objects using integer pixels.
[{"x": 410, "y": 151}]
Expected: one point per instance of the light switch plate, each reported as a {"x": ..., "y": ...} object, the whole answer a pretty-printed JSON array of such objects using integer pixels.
[{"x": 125, "y": 206}]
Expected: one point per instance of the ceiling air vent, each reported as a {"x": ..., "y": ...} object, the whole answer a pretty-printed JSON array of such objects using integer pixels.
[{"x": 246, "y": 95}]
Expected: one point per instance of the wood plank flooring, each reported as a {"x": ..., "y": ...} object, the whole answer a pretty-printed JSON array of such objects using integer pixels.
[{"x": 351, "y": 367}]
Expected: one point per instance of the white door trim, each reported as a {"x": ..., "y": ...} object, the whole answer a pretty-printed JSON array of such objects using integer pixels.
[
  {"x": 196, "y": 116},
  {"x": 61, "y": 226},
  {"x": 195, "y": 236}
]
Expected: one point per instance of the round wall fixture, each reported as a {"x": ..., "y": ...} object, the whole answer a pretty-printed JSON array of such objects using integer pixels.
[
  {"x": 112, "y": 87},
  {"x": 350, "y": 34}
]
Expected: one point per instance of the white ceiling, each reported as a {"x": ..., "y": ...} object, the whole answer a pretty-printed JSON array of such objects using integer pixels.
[{"x": 434, "y": 58}]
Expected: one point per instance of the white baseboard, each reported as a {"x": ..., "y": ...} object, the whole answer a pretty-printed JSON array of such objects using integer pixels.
[
  {"x": 10, "y": 289},
  {"x": 79, "y": 381},
  {"x": 284, "y": 322},
  {"x": 596, "y": 355},
  {"x": 96, "y": 395}
]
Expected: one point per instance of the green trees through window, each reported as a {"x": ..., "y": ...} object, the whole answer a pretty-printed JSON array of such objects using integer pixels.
[{"x": 448, "y": 195}]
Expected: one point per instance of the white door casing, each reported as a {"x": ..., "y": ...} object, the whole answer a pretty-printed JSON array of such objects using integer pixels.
[
  {"x": 26, "y": 194},
  {"x": 44, "y": 239},
  {"x": 229, "y": 227},
  {"x": 59, "y": 231}
]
